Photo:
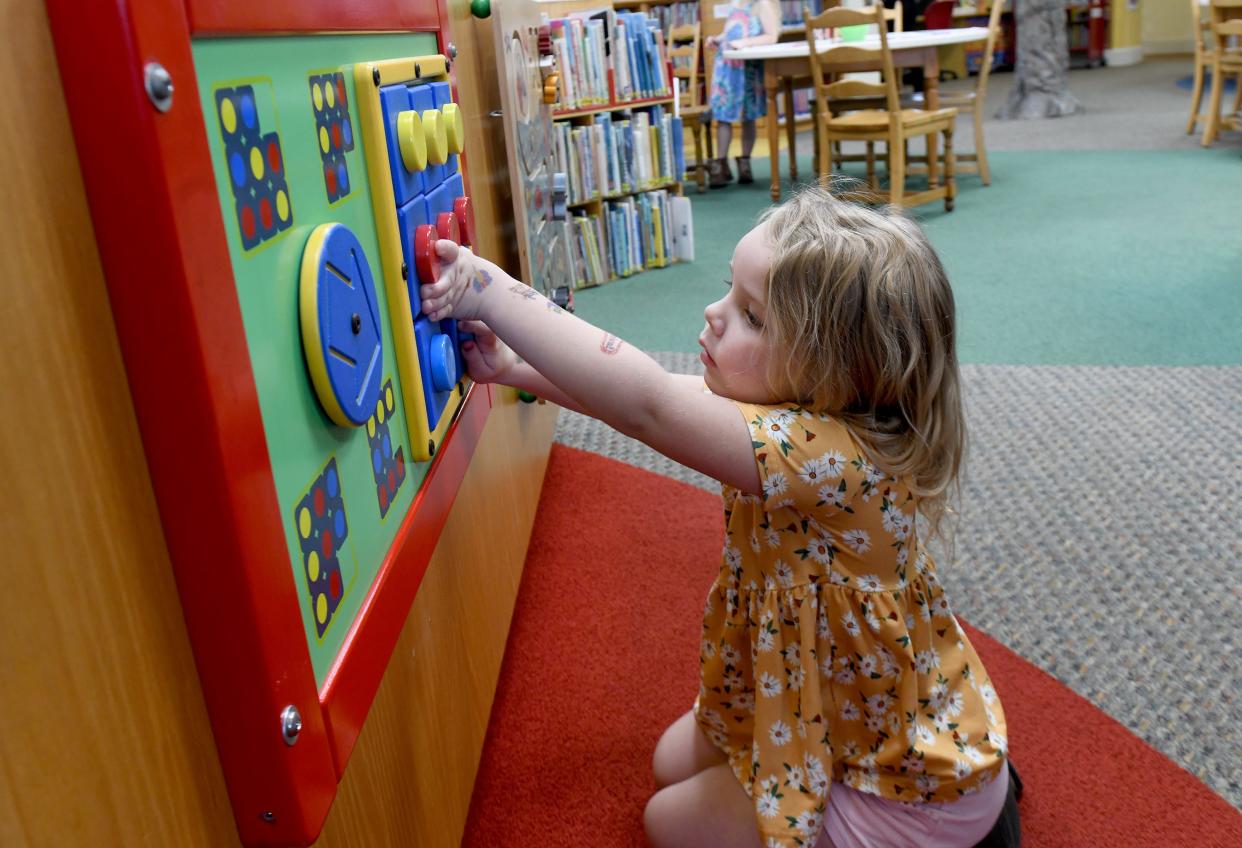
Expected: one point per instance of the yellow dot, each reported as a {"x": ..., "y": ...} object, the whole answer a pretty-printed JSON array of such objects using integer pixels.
[
  {"x": 371, "y": 426},
  {"x": 282, "y": 205},
  {"x": 228, "y": 115},
  {"x": 323, "y": 139},
  {"x": 312, "y": 566},
  {"x": 329, "y": 94},
  {"x": 256, "y": 163},
  {"x": 317, "y": 96},
  {"x": 379, "y": 411},
  {"x": 304, "y": 522},
  {"x": 388, "y": 399},
  {"x": 321, "y": 608}
]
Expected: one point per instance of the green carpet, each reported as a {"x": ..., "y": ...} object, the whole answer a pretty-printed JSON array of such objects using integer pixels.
[{"x": 1084, "y": 258}]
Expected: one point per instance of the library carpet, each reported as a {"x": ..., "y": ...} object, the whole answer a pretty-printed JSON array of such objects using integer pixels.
[{"x": 602, "y": 656}]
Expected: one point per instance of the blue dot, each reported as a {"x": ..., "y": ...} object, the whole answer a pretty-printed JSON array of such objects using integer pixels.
[
  {"x": 338, "y": 523},
  {"x": 237, "y": 168},
  {"x": 377, "y": 460},
  {"x": 342, "y": 178},
  {"x": 247, "y": 109},
  {"x": 387, "y": 445},
  {"x": 332, "y": 482},
  {"x": 349, "y": 134}
]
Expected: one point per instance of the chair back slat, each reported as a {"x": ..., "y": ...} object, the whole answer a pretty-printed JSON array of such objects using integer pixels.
[
  {"x": 989, "y": 49},
  {"x": 840, "y": 17},
  {"x": 683, "y": 53},
  {"x": 854, "y": 88}
]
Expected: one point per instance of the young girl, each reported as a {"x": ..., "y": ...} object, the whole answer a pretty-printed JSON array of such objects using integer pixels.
[
  {"x": 737, "y": 87},
  {"x": 840, "y": 703}
]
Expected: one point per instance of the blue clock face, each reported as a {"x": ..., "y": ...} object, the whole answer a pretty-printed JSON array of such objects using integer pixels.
[{"x": 349, "y": 324}]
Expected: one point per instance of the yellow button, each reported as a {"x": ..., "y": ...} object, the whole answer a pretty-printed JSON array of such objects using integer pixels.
[
  {"x": 317, "y": 96},
  {"x": 412, "y": 141},
  {"x": 453, "y": 127},
  {"x": 437, "y": 139},
  {"x": 228, "y": 115}
]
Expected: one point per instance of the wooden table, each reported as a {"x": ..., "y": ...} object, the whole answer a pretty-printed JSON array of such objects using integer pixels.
[{"x": 788, "y": 65}]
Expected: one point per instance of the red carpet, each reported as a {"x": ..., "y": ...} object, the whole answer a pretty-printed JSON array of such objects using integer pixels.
[{"x": 603, "y": 655}]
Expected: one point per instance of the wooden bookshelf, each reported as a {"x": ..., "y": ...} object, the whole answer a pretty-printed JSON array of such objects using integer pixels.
[{"x": 612, "y": 107}]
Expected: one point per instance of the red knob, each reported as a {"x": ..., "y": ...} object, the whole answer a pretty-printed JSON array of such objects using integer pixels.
[
  {"x": 463, "y": 210},
  {"x": 447, "y": 227},
  {"x": 426, "y": 263}
]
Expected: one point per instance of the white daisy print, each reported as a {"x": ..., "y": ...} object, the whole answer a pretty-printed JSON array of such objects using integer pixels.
[
  {"x": 821, "y": 550},
  {"x": 732, "y": 556},
  {"x": 836, "y": 578},
  {"x": 784, "y": 574},
  {"x": 912, "y": 764},
  {"x": 881, "y": 702},
  {"x": 868, "y": 665},
  {"x": 954, "y": 703},
  {"x": 831, "y": 496},
  {"x": 962, "y": 769},
  {"x": 780, "y": 733},
  {"x": 988, "y": 693},
  {"x": 834, "y": 462},
  {"x": 795, "y": 776},
  {"x": 859, "y": 540},
  {"x": 870, "y": 583},
  {"x": 796, "y": 676},
  {"x": 772, "y": 538},
  {"x": 875, "y": 723},
  {"x": 940, "y": 607},
  {"x": 769, "y": 685},
  {"x": 776, "y": 484},
  {"x": 814, "y": 471},
  {"x": 754, "y": 541},
  {"x": 709, "y": 649},
  {"x": 896, "y": 522},
  {"x": 765, "y": 640},
  {"x": 729, "y": 655},
  {"x": 926, "y": 661},
  {"x": 850, "y": 623},
  {"x": 849, "y": 711},
  {"x": 927, "y": 783},
  {"x": 767, "y": 806},
  {"x": 845, "y": 674},
  {"x": 808, "y": 824}
]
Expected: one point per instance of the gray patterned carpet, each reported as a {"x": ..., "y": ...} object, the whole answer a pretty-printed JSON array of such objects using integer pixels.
[{"x": 1098, "y": 538}]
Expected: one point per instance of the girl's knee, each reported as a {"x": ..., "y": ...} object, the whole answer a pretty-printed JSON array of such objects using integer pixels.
[{"x": 660, "y": 820}]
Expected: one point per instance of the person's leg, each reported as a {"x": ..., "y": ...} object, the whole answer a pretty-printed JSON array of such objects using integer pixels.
[
  {"x": 719, "y": 168},
  {"x": 682, "y": 752},
  {"x": 744, "y": 175},
  {"x": 709, "y": 810}
]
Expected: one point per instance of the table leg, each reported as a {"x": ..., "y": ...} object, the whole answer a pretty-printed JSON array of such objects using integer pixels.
[
  {"x": 771, "y": 82},
  {"x": 931, "y": 96},
  {"x": 791, "y": 135}
]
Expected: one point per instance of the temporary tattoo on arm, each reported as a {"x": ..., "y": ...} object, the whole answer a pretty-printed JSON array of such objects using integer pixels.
[
  {"x": 552, "y": 307},
  {"x": 524, "y": 290},
  {"x": 481, "y": 280},
  {"x": 610, "y": 345}
]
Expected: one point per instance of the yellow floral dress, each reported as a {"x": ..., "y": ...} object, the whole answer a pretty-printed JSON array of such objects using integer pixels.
[{"x": 829, "y": 649}]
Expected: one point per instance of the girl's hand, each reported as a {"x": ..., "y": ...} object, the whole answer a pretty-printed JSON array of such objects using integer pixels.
[
  {"x": 464, "y": 278},
  {"x": 488, "y": 359}
]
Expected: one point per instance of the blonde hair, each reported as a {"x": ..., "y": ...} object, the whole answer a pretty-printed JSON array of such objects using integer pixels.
[{"x": 861, "y": 311}]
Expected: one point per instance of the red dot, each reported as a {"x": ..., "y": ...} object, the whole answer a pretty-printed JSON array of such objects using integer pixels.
[
  {"x": 273, "y": 156},
  {"x": 247, "y": 222},
  {"x": 340, "y": 92},
  {"x": 329, "y": 178},
  {"x": 334, "y": 584},
  {"x": 383, "y": 497},
  {"x": 392, "y": 479},
  {"x": 336, "y": 135},
  {"x": 400, "y": 467},
  {"x": 327, "y": 544},
  {"x": 265, "y": 213},
  {"x": 319, "y": 502}
]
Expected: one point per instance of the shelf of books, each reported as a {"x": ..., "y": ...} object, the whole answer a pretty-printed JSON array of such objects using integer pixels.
[{"x": 619, "y": 142}]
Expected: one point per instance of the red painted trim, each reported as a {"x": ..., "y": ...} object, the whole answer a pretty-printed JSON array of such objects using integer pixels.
[
  {"x": 352, "y": 683},
  {"x": 229, "y": 17}
]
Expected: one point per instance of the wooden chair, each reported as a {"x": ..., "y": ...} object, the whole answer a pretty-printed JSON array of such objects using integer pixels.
[
  {"x": 685, "y": 55},
  {"x": 1208, "y": 56},
  {"x": 976, "y": 100},
  {"x": 892, "y": 125}
]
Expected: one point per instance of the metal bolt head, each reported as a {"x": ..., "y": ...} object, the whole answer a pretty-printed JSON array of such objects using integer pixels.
[
  {"x": 268, "y": 816},
  {"x": 159, "y": 85},
  {"x": 290, "y": 724},
  {"x": 452, "y": 50}
]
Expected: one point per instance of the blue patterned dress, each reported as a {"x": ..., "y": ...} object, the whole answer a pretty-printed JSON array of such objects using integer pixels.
[{"x": 737, "y": 87}]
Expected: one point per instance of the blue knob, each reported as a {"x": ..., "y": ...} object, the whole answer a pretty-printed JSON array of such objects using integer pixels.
[{"x": 443, "y": 364}]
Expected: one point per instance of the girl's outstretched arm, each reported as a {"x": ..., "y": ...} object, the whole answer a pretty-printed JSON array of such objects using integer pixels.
[{"x": 600, "y": 374}]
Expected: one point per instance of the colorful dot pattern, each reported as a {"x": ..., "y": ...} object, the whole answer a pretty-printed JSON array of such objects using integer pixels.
[
  {"x": 333, "y": 130},
  {"x": 322, "y": 529},
  {"x": 387, "y": 467},
  {"x": 256, "y": 168}
]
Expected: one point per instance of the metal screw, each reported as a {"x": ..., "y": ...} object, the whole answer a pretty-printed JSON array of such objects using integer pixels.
[
  {"x": 452, "y": 50},
  {"x": 268, "y": 816},
  {"x": 290, "y": 724},
  {"x": 461, "y": 390},
  {"x": 375, "y": 75},
  {"x": 418, "y": 70},
  {"x": 448, "y": 66},
  {"x": 355, "y": 323},
  {"x": 431, "y": 447},
  {"x": 159, "y": 86},
  {"x": 405, "y": 271}
]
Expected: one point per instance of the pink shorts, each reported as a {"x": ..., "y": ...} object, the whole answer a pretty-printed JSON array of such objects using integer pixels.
[{"x": 861, "y": 820}]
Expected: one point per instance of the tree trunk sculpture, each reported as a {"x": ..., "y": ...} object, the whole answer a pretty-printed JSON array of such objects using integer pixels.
[{"x": 1041, "y": 84}]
